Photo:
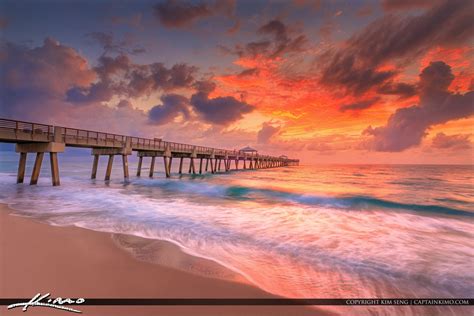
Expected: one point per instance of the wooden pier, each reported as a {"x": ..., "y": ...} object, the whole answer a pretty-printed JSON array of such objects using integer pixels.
[{"x": 41, "y": 138}]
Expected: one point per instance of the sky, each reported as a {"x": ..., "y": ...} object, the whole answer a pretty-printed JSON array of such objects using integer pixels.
[{"x": 326, "y": 81}]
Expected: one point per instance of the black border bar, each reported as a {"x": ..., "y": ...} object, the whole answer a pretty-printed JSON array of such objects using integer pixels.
[{"x": 261, "y": 301}]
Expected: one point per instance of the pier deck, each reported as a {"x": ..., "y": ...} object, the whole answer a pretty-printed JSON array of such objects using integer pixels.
[{"x": 42, "y": 138}]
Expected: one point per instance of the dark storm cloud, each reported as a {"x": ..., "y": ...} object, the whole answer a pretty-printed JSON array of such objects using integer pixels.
[
  {"x": 360, "y": 105},
  {"x": 172, "y": 106},
  {"x": 146, "y": 79},
  {"x": 174, "y": 13},
  {"x": 276, "y": 40},
  {"x": 133, "y": 81},
  {"x": 220, "y": 110},
  {"x": 354, "y": 66},
  {"x": 403, "y": 90},
  {"x": 408, "y": 126}
]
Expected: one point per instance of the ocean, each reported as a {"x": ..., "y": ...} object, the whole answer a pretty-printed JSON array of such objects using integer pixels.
[{"x": 308, "y": 231}]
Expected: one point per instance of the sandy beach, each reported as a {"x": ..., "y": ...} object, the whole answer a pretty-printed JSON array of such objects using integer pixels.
[{"x": 75, "y": 262}]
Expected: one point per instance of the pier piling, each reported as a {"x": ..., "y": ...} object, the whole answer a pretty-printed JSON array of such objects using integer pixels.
[
  {"x": 125, "y": 166},
  {"x": 21, "y": 168},
  {"x": 152, "y": 167},
  {"x": 139, "y": 168},
  {"x": 108, "y": 171},
  {"x": 53, "y": 157},
  {"x": 181, "y": 165},
  {"x": 95, "y": 164}
]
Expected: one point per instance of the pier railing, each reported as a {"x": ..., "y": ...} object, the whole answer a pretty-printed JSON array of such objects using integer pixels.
[{"x": 21, "y": 131}]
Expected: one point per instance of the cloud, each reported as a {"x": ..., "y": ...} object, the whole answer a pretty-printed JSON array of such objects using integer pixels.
[
  {"x": 146, "y": 79},
  {"x": 276, "y": 41},
  {"x": 172, "y": 106},
  {"x": 322, "y": 147},
  {"x": 120, "y": 76},
  {"x": 356, "y": 66},
  {"x": 220, "y": 110},
  {"x": 266, "y": 133},
  {"x": 249, "y": 72},
  {"x": 408, "y": 126},
  {"x": 124, "y": 104},
  {"x": 359, "y": 105},
  {"x": 404, "y": 90},
  {"x": 327, "y": 29},
  {"x": 30, "y": 76},
  {"x": 178, "y": 14},
  {"x": 458, "y": 141},
  {"x": 111, "y": 45}
]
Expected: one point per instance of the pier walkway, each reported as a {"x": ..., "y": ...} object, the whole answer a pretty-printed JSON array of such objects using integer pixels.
[{"x": 41, "y": 138}]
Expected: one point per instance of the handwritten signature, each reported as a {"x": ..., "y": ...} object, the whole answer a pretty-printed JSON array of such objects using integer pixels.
[{"x": 45, "y": 301}]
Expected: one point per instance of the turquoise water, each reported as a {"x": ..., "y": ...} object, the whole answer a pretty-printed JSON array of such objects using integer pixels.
[{"x": 322, "y": 231}]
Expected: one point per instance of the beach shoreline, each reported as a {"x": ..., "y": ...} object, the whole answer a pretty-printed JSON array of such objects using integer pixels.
[{"x": 75, "y": 262}]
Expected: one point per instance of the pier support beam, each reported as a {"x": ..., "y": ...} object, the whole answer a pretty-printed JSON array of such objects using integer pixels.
[
  {"x": 36, "y": 168},
  {"x": 139, "y": 168},
  {"x": 111, "y": 152},
  {"x": 125, "y": 166},
  {"x": 21, "y": 168},
  {"x": 181, "y": 165},
  {"x": 212, "y": 166},
  {"x": 108, "y": 171},
  {"x": 95, "y": 164},
  {"x": 237, "y": 164},
  {"x": 53, "y": 157},
  {"x": 207, "y": 163},
  {"x": 200, "y": 166},
  {"x": 152, "y": 167},
  {"x": 39, "y": 148},
  {"x": 191, "y": 165},
  {"x": 167, "y": 163}
]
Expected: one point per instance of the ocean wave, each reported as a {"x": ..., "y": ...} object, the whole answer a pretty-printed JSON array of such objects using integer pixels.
[{"x": 352, "y": 202}]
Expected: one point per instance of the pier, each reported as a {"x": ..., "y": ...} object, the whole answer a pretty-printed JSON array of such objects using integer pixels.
[{"x": 38, "y": 139}]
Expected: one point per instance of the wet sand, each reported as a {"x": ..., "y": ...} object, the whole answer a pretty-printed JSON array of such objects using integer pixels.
[{"x": 75, "y": 262}]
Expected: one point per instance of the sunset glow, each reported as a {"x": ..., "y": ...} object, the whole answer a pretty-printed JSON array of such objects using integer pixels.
[{"x": 319, "y": 80}]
